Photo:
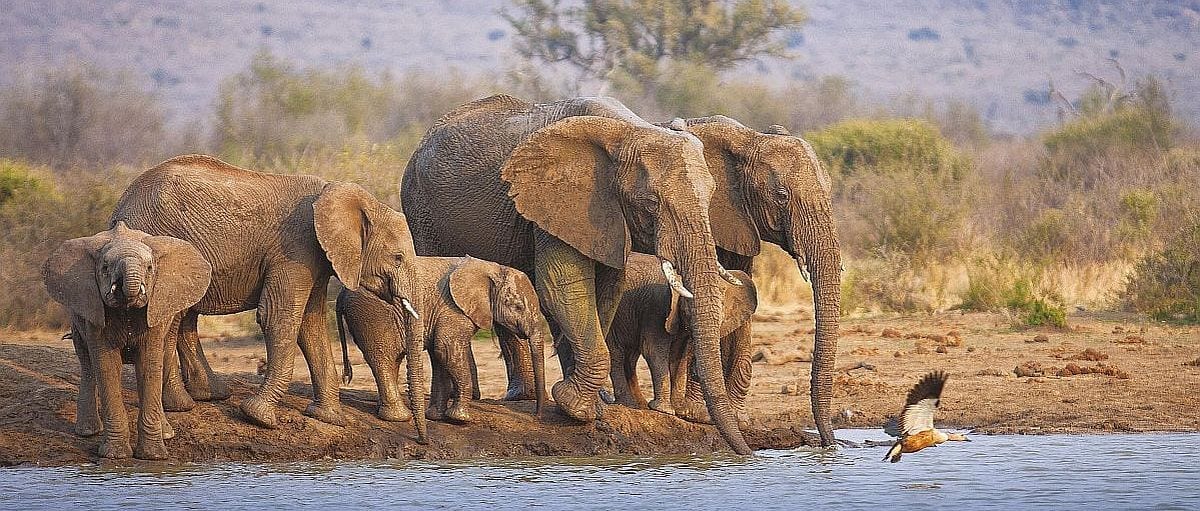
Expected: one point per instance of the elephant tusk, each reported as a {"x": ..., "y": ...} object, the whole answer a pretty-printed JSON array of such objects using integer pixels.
[
  {"x": 803, "y": 265},
  {"x": 142, "y": 288},
  {"x": 729, "y": 276},
  {"x": 113, "y": 290},
  {"x": 408, "y": 306},
  {"x": 673, "y": 280}
]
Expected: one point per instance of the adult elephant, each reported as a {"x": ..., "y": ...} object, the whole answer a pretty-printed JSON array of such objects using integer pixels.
[
  {"x": 273, "y": 242},
  {"x": 564, "y": 191},
  {"x": 771, "y": 187}
]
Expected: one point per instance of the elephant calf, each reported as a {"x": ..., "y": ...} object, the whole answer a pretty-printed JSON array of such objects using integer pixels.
[
  {"x": 125, "y": 290},
  {"x": 457, "y": 297},
  {"x": 648, "y": 324}
]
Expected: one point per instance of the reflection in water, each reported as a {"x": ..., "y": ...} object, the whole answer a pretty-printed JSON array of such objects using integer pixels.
[{"x": 1000, "y": 472}]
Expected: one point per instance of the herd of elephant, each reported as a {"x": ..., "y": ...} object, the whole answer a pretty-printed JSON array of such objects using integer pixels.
[{"x": 575, "y": 220}]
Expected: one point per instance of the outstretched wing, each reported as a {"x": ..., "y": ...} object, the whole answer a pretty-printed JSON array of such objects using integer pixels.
[
  {"x": 892, "y": 427},
  {"x": 922, "y": 403}
]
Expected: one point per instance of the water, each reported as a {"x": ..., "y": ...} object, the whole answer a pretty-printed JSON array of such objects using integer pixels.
[{"x": 991, "y": 472}]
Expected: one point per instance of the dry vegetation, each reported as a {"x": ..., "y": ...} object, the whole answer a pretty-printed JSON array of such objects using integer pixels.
[{"x": 1097, "y": 213}]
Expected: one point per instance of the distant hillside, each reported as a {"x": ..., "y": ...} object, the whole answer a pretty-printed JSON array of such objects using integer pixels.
[{"x": 998, "y": 55}]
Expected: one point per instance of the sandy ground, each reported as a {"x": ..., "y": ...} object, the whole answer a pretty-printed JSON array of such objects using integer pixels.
[{"x": 1138, "y": 376}]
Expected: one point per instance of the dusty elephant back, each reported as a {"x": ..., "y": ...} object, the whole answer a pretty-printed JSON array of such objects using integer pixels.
[
  {"x": 236, "y": 218},
  {"x": 455, "y": 173}
]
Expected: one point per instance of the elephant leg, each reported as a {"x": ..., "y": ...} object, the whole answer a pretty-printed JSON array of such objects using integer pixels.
[
  {"x": 314, "y": 343},
  {"x": 149, "y": 383},
  {"x": 518, "y": 361},
  {"x": 631, "y": 379},
  {"x": 202, "y": 383},
  {"x": 692, "y": 408},
  {"x": 655, "y": 351},
  {"x": 451, "y": 348},
  {"x": 738, "y": 372},
  {"x": 474, "y": 371},
  {"x": 87, "y": 417},
  {"x": 679, "y": 364},
  {"x": 386, "y": 369},
  {"x": 565, "y": 281},
  {"x": 622, "y": 393},
  {"x": 440, "y": 389},
  {"x": 175, "y": 396},
  {"x": 279, "y": 316},
  {"x": 106, "y": 363}
]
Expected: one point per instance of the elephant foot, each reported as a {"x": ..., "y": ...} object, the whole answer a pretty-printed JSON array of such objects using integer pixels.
[
  {"x": 215, "y": 389},
  {"x": 519, "y": 393},
  {"x": 693, "y": 411},
  {"x": 458, "y": 413},
  {"x": 150, "y": 450},
  {"x": 580, "y": 406},
  {"x": 115, "y": 449},
  {"x": 394, "y": 412},
  {"x": 260, "y": 412},
  {"x": 434, "y": 413},
  {"x": 168, "y": 432},
  {"x": 88, "y": 426},
  {"x": 661, "y": 405},
  {"x": 177, "y": 400},
  {"x": 326, "y": 413}
]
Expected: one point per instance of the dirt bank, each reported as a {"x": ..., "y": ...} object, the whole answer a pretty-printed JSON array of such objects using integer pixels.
[{"x": 1107, "y": 373}]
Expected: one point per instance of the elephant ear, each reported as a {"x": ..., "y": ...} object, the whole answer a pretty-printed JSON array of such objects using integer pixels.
[
  {"x": 181, "y": 278},
  {"x": 70, "y": 276},
  {"x": 471, "y": 283},
  {"x": 563, "y": 179},
  {"x": 740, "y": 303},
  {"x": 727, "y": 144},
  {"x": 340, "y": 219}
]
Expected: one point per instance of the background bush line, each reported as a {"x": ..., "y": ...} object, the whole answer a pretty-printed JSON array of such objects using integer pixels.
[{"x": 934, "y": 212}]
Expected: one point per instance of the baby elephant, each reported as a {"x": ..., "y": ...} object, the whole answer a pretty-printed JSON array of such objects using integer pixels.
[
  {"x": 648, "y": 323},
  {"x": 461, "y": 295},
  {"x": 124, "y": 289}
]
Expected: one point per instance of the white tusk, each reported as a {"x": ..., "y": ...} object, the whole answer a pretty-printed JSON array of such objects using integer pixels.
[
  {"x": 673, "y": 280},
  {"x": 803, "y": 269},
  {"x": 728, "y": 276},
  {"x": 113, "y": 290},
  {"x": 142, "y": 287},
  {"x": 408, "y": 306}
]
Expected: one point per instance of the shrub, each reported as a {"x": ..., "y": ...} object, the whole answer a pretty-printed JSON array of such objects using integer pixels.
[
  {"x": 1166, "y": 285},
  {"x": 886, "y": 282},
  {"x": 1035, "y": 310},
  {"x": 887, "y": 146},
  {"x": 18, "y": 179}
]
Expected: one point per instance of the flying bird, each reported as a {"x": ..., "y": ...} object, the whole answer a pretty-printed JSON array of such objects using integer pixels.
[{"x": 916, "y": 431}]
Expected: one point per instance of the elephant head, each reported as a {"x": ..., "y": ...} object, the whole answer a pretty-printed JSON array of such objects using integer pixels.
[
  {"x": 496, "y": 296},
  {"x": 740, "y": 303},
  {"x": 369, "y": 245},
  {"x": 126, "y": 269},
  {"x": 771, "y": 186},
  {"x": 605, "y": 186}
]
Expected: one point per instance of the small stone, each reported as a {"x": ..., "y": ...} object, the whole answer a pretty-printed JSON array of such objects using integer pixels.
[
  {"x": 1040, "y": 338},
  {"x": 891, "y": 333},
  {"x": 942, "y": 349},
  {"x": 898, "y": 355},
  {"x": 788, "y": 389},
  {"x": 970, "y": 349}
]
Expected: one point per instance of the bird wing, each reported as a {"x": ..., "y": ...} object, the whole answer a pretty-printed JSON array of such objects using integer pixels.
[
  {"x": 892, "y": 427},
  {"x": 922, "y": 403}
]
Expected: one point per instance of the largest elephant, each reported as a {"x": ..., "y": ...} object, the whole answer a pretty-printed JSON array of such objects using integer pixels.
[
  {"x": 564, "y": 191},
  {"x": 771, "y": 187},
  {"x": 273, "y": 242}
]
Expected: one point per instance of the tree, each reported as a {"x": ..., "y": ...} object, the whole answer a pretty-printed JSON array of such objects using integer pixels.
[{"x": 600, "y": 37}]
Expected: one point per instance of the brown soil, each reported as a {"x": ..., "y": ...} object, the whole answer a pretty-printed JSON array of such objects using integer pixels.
[{"x": 878, "y": 360}]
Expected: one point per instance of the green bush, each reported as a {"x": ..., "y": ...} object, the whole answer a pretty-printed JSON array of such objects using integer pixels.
[
  {"x": 1166, "y": 285},
  {"x": 885, "y": 282},
  {"x": 989, "y": 282},
  {"x": 884, "y": 146},
  {"x": 1035, "y": 310},
  {"x": 18, "y": 179}
]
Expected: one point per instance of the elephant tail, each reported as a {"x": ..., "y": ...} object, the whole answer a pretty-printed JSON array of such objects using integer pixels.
[{"x": 347, "y": 369}]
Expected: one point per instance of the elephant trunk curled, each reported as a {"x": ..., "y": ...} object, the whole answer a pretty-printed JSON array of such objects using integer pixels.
[
  {"x": 701, "y": 276},
  {"x": 820, "y": 257}
]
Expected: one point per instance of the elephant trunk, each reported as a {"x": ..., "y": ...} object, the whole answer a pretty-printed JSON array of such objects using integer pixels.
[
  {"x": 414, "y": 344},
  {"x": 819, "y": 256},
  {"x": 701, "y": 276},
  {"x": 132, "y": 282},
  {"x": 536, "y": 345}
]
